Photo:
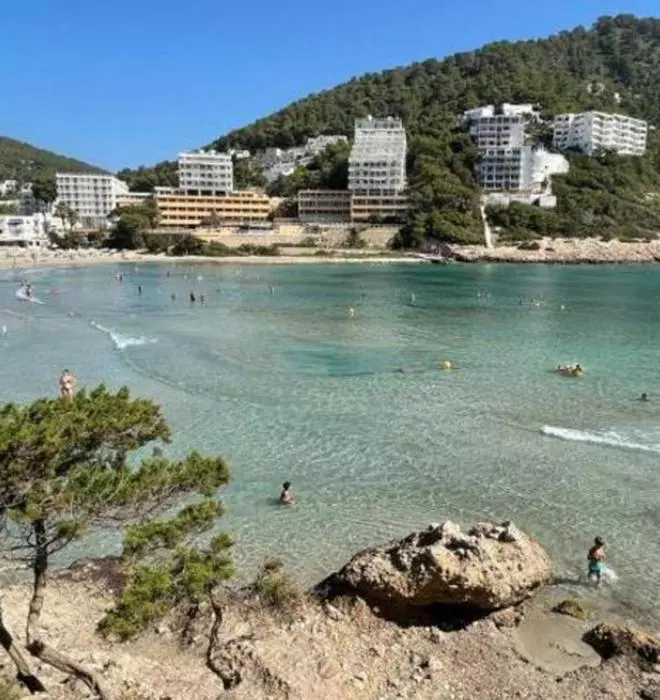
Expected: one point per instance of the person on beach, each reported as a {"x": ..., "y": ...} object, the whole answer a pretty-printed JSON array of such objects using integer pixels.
[
  {"x": 595, "y": 561},
  {"x": 67, "y": 385},
  {"x": 286, "y": 497}
]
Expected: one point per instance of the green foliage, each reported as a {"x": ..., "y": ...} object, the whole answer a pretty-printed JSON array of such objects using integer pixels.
[
  {"x": 66, "y": 214},
  {"x": 275, "y": 587},
  {"x": 22, "y": 162},
  {"x": 188, "y": 245},
  {"x": 65, "y": 469},
  {"x": 145, "y": 179},
  {"x": 8, "y": 209},
  {"x": 44, "y": 189},
  {"x": 69, "y": 241},
  {"x": 129, "y": 230},
  {"x": 247, "y": 175},
  {"x": 354, "y": 239}
]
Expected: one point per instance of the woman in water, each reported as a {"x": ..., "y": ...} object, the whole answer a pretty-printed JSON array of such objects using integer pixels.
[{"x": 286, "y": 497}]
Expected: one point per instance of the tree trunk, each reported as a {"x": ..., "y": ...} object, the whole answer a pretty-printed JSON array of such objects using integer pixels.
[
  {"x": 23, "y": 673},
  {"x": 35, "y": 645}
]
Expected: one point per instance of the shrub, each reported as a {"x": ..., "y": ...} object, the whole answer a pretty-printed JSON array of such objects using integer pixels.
[{"x": 275, "y": 587}]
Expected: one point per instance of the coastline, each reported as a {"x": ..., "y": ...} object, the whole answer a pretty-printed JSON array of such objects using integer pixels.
[{"x": 546, "y": 251}]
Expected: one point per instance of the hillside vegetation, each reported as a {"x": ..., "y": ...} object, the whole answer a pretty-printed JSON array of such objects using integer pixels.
[
  {"x": 614, "y": 66},
  {"x": 21, "y": 161}
]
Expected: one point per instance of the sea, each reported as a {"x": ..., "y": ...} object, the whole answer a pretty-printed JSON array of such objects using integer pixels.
[{"x": 327, "y": 375}]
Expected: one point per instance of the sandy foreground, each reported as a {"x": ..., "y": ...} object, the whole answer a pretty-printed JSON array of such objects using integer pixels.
[
  {"x": 311, "y": 652},
  {"x": 550, "y": 251}
]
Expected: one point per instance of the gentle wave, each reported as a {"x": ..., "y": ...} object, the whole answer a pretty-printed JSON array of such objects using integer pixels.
[
  {"x": 121, "y": 341},
  {"x": 23, "y": 296},
  {"x": 608, "y": 438}
]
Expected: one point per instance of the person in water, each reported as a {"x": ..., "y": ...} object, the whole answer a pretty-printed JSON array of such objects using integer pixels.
[
  {"x": 644, "y": 397},
  {"x": 67, "y": 385},
  {"x": 192, "y": 298},
  {"x": 595, "y": 561},
  {"x": 286, "y": 497},
  {"x": 139, "y": 289}
]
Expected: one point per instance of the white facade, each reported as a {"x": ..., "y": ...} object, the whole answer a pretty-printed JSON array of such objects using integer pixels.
[
  {"x": 377, "y": 163},
  {"x": 206, "y": 172},
  {"x": 92, "y": 197},
  {"x": 318, "y": 144},
  {"x": 8, "y": 187},
  {"x": 500, "y": 131},
  {"x": 26, "y": 231},
  {"x": 594, "y": 131}
]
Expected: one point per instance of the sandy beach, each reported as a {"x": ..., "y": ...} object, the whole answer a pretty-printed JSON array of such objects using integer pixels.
[{"x": 548, "y": 251}]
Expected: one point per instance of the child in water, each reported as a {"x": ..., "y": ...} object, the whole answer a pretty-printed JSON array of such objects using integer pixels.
[
  {"x": 286, "y": 497},
  {"x": 595, "y": 558}
]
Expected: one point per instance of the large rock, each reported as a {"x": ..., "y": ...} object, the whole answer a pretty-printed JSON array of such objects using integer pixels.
[
  {"x": 486, "y": 568},
  {"x": 614, "y": 640}
]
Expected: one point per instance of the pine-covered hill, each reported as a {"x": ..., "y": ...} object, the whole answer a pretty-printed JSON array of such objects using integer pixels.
[
  {"x": 613, "y": 66},
  {"x": 21, "y": 161}
]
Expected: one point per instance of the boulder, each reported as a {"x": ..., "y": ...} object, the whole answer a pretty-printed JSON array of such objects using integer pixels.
[
  {"x": 572, "y": 608},
  {"x": 614, "y": 640},
  {"x": 486, "y": 568}
]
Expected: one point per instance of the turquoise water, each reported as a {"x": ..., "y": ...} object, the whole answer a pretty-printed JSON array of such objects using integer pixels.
[{"x": 287, "y": 385}]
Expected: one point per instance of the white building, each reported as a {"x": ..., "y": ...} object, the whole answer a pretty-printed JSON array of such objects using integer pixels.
[
  {"x": 206, "y": 172},
  {"x": 26, "y": 231},
  {"x": 318, "y": 144},
  {"x": 377, "y": 163},
  {"x": 8, "y": 187},
  {"x": 91, "y": 196},
  {"x": 594, "y": 131}
]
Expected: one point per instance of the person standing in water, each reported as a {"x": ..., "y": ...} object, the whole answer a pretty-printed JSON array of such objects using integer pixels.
[
  {"x": 139, "y": 290},
  {"x": 192, "y": 298},
  {"x": 286, "y": 497},
  {"x": 595, "y": 559},
  {"x": 67, "y": 385}
]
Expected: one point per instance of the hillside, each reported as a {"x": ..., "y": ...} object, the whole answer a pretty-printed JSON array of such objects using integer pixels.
[
  {"x": 21, "y": 161},
  {"x": 613, "y": 66}
]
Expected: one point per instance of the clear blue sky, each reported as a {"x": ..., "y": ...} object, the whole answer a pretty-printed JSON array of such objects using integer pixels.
[{"x": 127, "y": 82}]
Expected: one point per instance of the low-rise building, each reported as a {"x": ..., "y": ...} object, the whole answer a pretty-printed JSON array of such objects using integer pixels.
[
  {"x": 25, "y": 231},
  {"x": 131, "y": 199},
  {"x": 182, "y": 210},
  {"x": 590, "y": 132},
  {"x": 386, "y": 207},
  {"x": 91, "y": 196},
  {"x": 206, "y": 173},
  {"x": 332, "y": 206}
]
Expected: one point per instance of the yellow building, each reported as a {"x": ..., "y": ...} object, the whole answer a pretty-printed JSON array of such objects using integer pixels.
[
  {"x": 389, "y": 207},
  {"x": 129, "y": 199},
  {"x": 324, "y": 205},
  {"x": 180, "y": 210},
  {"x": 340, "y": 206}
]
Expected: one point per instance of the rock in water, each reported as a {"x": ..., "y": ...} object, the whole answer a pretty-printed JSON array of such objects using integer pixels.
[{"x": 486, "y": 568}]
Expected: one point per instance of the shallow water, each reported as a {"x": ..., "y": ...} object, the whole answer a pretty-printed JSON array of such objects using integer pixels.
[{"x": 353, "y": 410}]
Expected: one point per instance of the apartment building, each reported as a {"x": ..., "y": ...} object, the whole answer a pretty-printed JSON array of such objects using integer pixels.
[
  {"x": 324, "y": 206},
  {"x": 91, "y": 196},
  {"x": 179, "y": 209},
  {"x": 377, "y": 164},
  {"x": 508, "y": 164},
  {"x": 206, "y": 173},
  {"x": 594, "y": 131}
]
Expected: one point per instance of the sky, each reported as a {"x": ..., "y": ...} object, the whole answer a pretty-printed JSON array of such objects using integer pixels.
[{"x": 129, "y": 82}]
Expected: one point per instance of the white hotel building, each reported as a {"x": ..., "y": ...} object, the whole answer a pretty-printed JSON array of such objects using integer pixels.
[
  {"x": 377, "y": 163},
  {"x": 594, "y": 131},
  {"x": 91, "y": 196},
  {"x": 507, "y": 164},
  {"x": 206, "y": 173}
]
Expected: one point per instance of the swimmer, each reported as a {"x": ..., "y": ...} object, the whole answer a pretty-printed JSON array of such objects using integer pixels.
[
  {"x": 271, "y": 289},
  {"x": 413, "y": 298},
  {"x": 139, "y": 290},
  {"x": 286, "y": 497},
  {"x": 562, "y": 308},
  {"x": 643, "y": 397},
  {"x": 192, "y": 298},
  {"x": 201, "y": 298},
  {"x": 173, "y": 296},
  {"x": 67, "y": 385},
  {"x": 351, "y": 312},
  {"x": 595, "y": 558}
]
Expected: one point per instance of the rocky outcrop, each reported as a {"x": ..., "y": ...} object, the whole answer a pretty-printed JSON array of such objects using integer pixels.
[
  {"x": 486, "y": 568},
  {"x": 614, "y": 640}
]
